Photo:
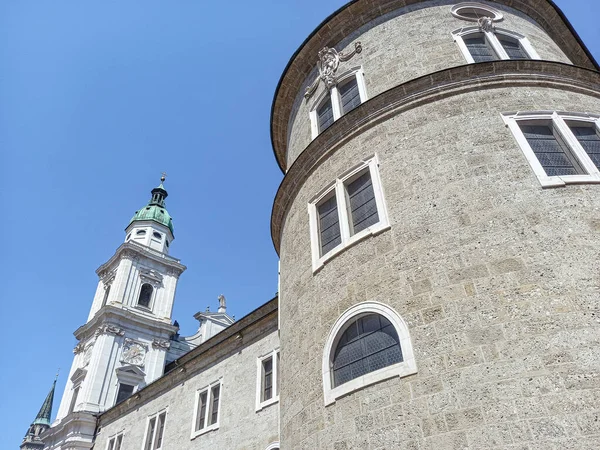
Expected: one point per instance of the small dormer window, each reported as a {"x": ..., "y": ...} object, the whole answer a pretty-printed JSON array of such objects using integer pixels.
[
  {"x": 140, "y": 232},
  {"x": 157, "y": 235}
]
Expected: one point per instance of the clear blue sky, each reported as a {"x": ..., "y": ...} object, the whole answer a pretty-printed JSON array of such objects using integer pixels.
[{"x": 96, "y": 100}]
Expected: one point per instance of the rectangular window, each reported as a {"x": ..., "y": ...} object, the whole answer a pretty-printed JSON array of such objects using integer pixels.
[
  {"x": 114, "y": 443},
  {"x": 125, "y": 391},
  {"x": 267, "y": 386},
  {"x": 561, "y": 148},
  {"x": 347, "y": 211},
  {"x": 208, "y": 404},
  {"x": 342, "y": 98},
  {"x": 74, "y": 399},
  {"x": 155, "y": 431}
]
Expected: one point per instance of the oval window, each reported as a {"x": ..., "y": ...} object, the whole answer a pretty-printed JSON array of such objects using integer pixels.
[
  {"x": 157, "y": 235},
  {"x": 140, "y": 232},
  {"x": 474, "y": 11},
  {"x": 167, "y": 242}
]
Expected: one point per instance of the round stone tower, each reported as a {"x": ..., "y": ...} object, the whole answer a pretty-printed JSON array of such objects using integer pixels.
[{"x": 438, "y": 229}]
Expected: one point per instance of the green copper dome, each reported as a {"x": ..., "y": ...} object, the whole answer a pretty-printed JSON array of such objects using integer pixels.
[{"x": 155, "y": 210}]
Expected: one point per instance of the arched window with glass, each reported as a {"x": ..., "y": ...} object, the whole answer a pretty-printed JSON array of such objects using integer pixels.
[
  {"x": 369, "y": 343},
  {"x": 145, "y": 295}
]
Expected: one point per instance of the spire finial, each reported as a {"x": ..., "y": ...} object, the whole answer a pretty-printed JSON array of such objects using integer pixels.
[
  {"x": 163, "y": 177},
  {"x": 56, "y": 377}
]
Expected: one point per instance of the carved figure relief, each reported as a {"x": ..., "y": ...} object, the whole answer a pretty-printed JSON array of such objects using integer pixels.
[
  {"x": 157, "y": 343},
  {"x": 109, "y": 329},
  {"x": 486, "y": 24},
  {"x": 328, "y": 64},
  {"x": 134, "y": 352},
  {"x": 151, "y": 276}
]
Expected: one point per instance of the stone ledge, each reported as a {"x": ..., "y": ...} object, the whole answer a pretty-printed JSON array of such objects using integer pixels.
[{"x": 424, "y": 90}]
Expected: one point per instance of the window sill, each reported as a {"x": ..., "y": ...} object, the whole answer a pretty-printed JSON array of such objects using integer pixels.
[
  {"x": 266, "y": 403},
  {"x": 558, "y": 181},
  {"x": 402, "y": 369},
  {"x": 212, "y": 427},
  {"x": 373, "y": 230}
]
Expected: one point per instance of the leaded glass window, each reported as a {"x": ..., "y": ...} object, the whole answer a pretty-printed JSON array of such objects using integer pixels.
[
  {"x": 361, "y": 203},
  {"x": 349, "y": 95},
  {"x": 589, "y": 139},
  {"x": 325, "y": 115},
  {"x": 479, "y": 48},
  {"x": 329, "y": 225},
  {"x": 549, "y": 151},
  {"x": 369, "y": 343},
  {"x": 513, "y": 48}
]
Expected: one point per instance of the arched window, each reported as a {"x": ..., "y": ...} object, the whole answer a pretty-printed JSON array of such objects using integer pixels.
[
  {"x": 479, "y": 45},
  {"x": 145, "y": 295},
  {"x": 369, "y": 343}
]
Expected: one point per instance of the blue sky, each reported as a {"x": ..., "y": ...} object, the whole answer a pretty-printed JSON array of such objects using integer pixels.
[{"x": 96, "y": 100}]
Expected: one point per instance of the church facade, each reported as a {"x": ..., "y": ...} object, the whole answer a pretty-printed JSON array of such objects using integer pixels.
[{"x": 439, "y": 275}]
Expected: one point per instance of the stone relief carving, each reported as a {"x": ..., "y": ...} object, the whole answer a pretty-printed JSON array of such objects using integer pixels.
[
  {"x": 134, "y": 352},
  {"x": 108, "y": 277},
  {"x": 158, "y": 343},
  {"x": 109, "y": 329},
  {"x": 486, "y": 24},
  {"x": 328, "y": 64},
  {"x": 151, "y": 275},
  {"x": 78, "y": 348}
]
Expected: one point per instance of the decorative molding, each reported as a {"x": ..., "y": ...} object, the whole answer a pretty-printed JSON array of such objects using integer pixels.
[
  {"x": 161, "y": 344},
  {"x": 328, "y": 64},
  {"x": 109, "y": 329},
  {"x": 78, "y": 348},
  {"x": 152, "y": 276},
  {"x": 108, "y": 277},
  {"x": 134, "y": 352}
]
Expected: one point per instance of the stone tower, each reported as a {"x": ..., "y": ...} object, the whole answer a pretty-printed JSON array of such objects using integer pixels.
[
  {"x": 438, "y": 229},
  {"x": 32, "y": 440},
  {"x": 124, "y": 344}
]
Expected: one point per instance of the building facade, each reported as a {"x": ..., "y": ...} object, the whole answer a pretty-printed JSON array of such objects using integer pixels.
[{"x": 436, "y": 227}]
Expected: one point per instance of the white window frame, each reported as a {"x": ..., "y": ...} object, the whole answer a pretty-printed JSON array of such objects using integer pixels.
[
  {"x": 334, "y": 96},
  {"x": 112, "y": 441},
  {"x": 153, "y": 437},
  {"x": 208, "y": 389},
  {"x": 559, "y": 123},
  {"x": 259, "y": 380},
  {"x": 273, "y": 446},
  {"x": 494, "y": 42},
  {"x": 339, "y": 187},
  {"x": 490, "y": 12},
  {"x": 408, "y": 366}
]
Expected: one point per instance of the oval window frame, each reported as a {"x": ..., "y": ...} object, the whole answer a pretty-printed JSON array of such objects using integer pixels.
[{"x": 491, "y": 12}]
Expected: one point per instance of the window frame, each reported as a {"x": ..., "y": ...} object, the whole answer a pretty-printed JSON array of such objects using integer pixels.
[
  {"x": 559, "y": 120},
  {"x": 113, "y": 440},
  {"x": 261, "y": 404},
  {"x": 151, "y": 300},
  {"x": 338, "y": 188},
  {"x": 493, "y": 41},
  {"x": 152, "y": 438},
  {"x": 336, "y": 101},
  {"x": 408, "y": 366},
  {"x": 209, "y": 400}
]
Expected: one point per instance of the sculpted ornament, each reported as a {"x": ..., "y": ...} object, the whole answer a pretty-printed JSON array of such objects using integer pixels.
[
  {"x": 134, "y": 352},
  {"x": 157, "y": 343},
  {"x": 78, "y": 348},
  {"x": 486, "y": 24},
  {"x": 328, "y": 64},
  {"x": 109, "y": 329}
]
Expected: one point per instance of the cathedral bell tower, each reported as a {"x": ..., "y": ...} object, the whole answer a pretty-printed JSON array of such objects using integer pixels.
[{"x": 124, "y": 344}]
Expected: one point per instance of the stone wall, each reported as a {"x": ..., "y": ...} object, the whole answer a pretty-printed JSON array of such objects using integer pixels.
[
  {"x": 496, "y": 277},
  {"x": 406, "y": 44}
]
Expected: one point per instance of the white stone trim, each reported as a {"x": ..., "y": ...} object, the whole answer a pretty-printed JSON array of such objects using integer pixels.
[
  {"x": 337, "y": 188},
  {"x": 208, "y": 389},
  {"x": 574, "y": 148},
  {"x": 112, "y": 441},
  {"x": 153, "y": 437},
  {"x": 493, "y": 41},
  {"x": 334, "y": 96},
  {"x": 492, "y": 13},
  {"x": 408, "y": 366},
  {"x": 259, "y": 380}
]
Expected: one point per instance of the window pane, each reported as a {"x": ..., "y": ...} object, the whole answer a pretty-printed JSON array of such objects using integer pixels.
[
  {"x": 111, "y": 444},
  {"x": 267, "y": 379},
  {"x": 589, "y": 140},
  {"x": 151, "y": 426},
  {"x": 513, "y": 47},
  {"x": 349, "y": 95},
  {"x": 215, "y": 404},
  {"x": 325, "y": 115},
  {"x": 479, "y": 48},
  {"x": 202, "y": 411},
  {"x": 119, "y": 441},
  {"x": 329, "y": 225},
  {"x": 145, "y": 295},
  {"x": 363, "y": 208},
  {"x": 159, "y": 431},
  {"x": 369, "y": 343},
  {"x": 125, "y": 391},
  {"x": 548, "y": 150}
]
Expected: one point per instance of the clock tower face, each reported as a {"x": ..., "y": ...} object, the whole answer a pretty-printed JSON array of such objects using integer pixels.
[{"x": 134, "y": 353}]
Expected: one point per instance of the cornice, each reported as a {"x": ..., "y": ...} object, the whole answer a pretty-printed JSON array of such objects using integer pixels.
[
  {"x": 109, "y": 320},
  {"x": 357, "y": 13},
  {"x": 132, "y": 250},
  {"x": 250, "y": 328},
  {"x": 423, "y": 90}
]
